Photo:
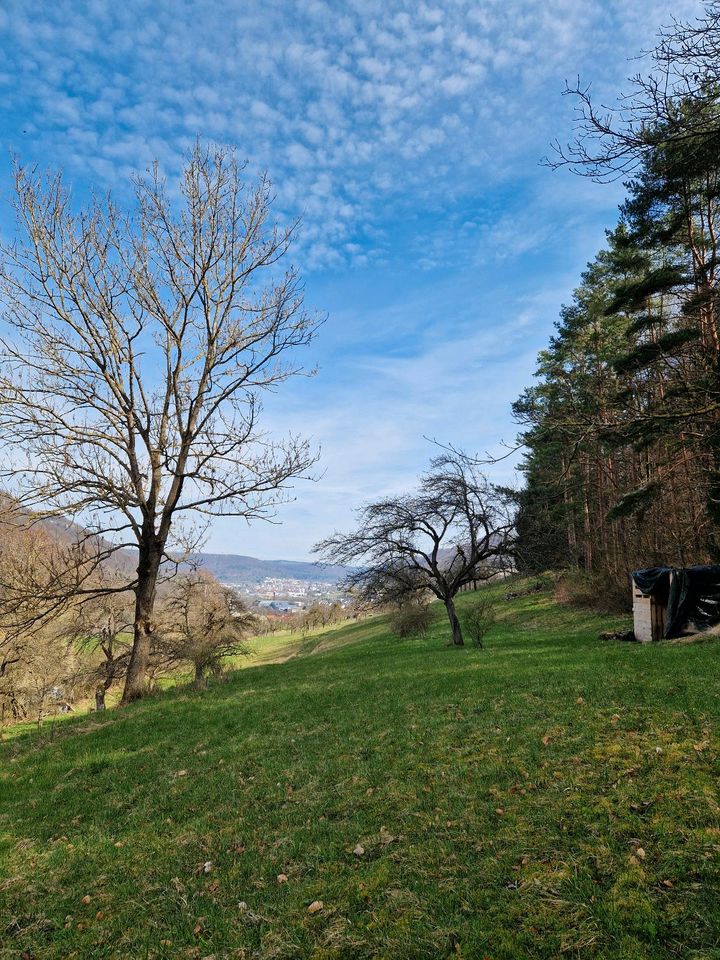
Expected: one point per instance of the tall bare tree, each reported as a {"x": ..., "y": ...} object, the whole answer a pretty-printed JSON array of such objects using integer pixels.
[
  {"x": 139, "y": 347},
  {"x": 457, "y": 528}
]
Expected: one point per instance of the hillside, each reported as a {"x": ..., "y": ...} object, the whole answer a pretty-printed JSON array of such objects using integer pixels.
[
  {"x": 551, "y": 795},
  {"x": 230, "y": 567},
  {"x": 227, "y": 567}
]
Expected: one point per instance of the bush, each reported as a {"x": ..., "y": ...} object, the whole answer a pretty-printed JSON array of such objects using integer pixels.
[
  {"x": 602, "y": 591},
  {"x": 411, "y": 620},
  {"x": 478, "y": 619}
]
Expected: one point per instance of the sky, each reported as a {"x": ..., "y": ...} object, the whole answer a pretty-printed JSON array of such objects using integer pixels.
[{"x": 407, "y": 136}]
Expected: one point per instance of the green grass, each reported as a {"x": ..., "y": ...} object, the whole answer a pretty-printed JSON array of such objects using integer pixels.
[
  {"x": 284, "y": 645},
  {"x": 269, "y": 648},
  {"x": 549, "y": 796}
]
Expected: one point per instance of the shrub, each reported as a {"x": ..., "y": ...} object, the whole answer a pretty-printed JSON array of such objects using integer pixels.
[
  {"x": 601, "y": 591},
  {"x": 411, "y": 620},
  {"x": 478, "y": 619}
]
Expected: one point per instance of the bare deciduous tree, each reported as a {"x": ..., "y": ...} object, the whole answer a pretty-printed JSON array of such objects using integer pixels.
[
  {"x": 39, "y": 666},
  {"x": 456, "y": 529},
  {"x": 674, "y": 103},
  {"x": 204, "y": 623},
  {"x": 101, "y": 628},
  {"x": 138, "y": 352},
  {"x": 34, "y": 656}
]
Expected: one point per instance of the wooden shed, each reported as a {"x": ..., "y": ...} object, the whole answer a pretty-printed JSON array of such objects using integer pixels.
[
  {"x": 648, "y": 616},
  {"x": 671, "y": 601}
]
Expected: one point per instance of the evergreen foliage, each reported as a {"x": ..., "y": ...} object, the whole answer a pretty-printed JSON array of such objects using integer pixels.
[{"x": 622, "y": 427}]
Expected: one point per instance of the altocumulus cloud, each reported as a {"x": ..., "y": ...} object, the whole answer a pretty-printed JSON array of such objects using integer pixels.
[
  {"x": 407, "y": 136},
  {"x": 350, "y": 106}
]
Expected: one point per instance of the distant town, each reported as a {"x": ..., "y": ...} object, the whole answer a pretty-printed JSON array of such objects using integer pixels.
[{"x": 287, "y": 594}]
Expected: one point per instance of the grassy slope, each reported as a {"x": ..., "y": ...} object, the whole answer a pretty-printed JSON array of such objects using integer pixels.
[{"x": 500, "y": 797}]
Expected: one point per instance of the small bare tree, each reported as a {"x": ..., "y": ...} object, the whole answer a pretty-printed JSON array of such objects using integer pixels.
[
  {"x": 457, "y": 528},
  {"x": 204, "y": 623},
  {"x": 138, "y": 351},
  {"x": 479, "y": 617},
  {"x": 34, "y": 656},
  {"x": 101, "y": 627}
]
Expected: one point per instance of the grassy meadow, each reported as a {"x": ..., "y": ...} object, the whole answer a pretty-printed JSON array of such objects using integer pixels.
[{"x": 551, "y": 795}]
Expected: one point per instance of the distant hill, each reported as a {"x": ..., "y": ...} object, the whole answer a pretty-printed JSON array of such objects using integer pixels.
[
  {"x": 63, "y": 532},
  {"x": 227, "y": 567},
  {"x": 234, "y": 568}
]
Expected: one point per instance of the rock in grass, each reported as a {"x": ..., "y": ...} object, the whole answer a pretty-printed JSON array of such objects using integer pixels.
[{"x": 315, "y": 906}]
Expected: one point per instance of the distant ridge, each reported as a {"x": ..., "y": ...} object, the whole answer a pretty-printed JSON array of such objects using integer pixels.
[
  {"x": 227, "y": 567},
  {"x": 235, "y": 568}
]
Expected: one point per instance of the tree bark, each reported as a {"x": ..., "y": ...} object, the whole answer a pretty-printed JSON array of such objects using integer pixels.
[
  {"x": 457, "y": 637},
  {"x": 148, "y": 569}
]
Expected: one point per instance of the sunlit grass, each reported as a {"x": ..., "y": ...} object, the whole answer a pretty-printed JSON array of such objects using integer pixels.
[{"x": 551, "y": 795}]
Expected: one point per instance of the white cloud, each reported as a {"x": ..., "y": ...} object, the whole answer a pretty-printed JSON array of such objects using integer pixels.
[
  {"x": 407, "y": 134},
  {"x": 454, "y": 84},
  {"x": 406, "y": 96}
]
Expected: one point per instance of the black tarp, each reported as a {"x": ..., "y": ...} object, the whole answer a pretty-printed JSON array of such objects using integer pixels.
[{"x": 689, "y": 595}]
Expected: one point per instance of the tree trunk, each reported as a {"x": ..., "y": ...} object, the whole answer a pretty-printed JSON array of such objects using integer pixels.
[
  {"x": 100, "y": 696},
  {"x": 457, "y": 637},
  {"x": 148, "y": 568},
  {"x": 198, "y": 674}
]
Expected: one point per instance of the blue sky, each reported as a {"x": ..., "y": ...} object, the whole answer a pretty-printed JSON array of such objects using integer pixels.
[{"x": 407, "y": 136}]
